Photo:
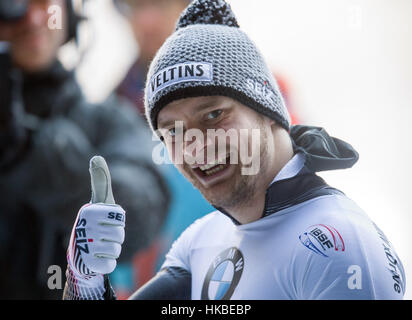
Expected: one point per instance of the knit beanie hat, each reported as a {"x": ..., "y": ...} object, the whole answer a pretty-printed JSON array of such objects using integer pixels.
[{"x": 209, "y": 55}]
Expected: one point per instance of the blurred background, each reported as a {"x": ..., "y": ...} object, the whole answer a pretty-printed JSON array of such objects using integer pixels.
[{"x": 344, "y": 65}]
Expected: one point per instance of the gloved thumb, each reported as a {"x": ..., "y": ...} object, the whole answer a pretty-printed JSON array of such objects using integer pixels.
[{"x": 101, "y": 181}]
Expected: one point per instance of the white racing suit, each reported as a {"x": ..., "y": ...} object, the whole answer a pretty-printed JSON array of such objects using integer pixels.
[{"x": 312, "y": 241}]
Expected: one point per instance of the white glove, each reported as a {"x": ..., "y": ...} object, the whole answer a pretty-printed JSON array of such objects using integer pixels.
[{"x": 96, "y": 238}]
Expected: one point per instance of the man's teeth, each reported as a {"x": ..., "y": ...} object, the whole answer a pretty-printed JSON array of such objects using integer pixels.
[
  {"x": 207, "y": 166},
  {"x": 217, "y": 168},
  {"x": 216, "y": 164}
]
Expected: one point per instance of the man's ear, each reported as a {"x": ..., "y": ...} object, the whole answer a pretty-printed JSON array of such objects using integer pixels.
[
  {"x": 274, "y": 126},
  {"x": 270, "y": 122}
]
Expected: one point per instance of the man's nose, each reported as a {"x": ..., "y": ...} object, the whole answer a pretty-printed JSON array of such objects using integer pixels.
[
  {"x": 196, "y": 150},
  {"x": 37, "y": 14},
  {"x": 149, "y": 17}
]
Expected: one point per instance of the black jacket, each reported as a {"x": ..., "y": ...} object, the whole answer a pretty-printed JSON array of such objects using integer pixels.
[{"x": 48, "y": 133}]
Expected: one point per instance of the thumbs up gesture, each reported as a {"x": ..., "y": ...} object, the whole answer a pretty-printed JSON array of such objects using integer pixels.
[{"x": 96, "y": 238}]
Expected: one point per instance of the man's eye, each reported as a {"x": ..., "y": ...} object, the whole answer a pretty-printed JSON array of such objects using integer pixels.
[
  {"x": 171, "y": 132},
  {"x": 214, "y": 114}
]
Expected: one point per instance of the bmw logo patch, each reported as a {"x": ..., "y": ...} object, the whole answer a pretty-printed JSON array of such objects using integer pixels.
[{"x": 223, "y": 275}]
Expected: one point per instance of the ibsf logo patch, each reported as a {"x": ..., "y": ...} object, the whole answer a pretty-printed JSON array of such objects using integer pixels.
[
  {"x": 321, "y": 239},
  {"x": 182, "y": 72},
  {"x": 223, "y": 275}
]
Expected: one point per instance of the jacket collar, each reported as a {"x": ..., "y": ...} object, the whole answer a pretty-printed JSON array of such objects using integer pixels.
[
  {"x": 293, "y": 190},
  {"x": 297, "y": 182}
]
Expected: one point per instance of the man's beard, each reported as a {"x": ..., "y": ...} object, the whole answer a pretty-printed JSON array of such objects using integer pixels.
[{"x": 241, "y": 194}]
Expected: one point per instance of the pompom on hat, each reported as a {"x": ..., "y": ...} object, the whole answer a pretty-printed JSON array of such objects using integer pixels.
[
  {"x": 209, "y": 55},
  {"x": 207, "y": 12}
]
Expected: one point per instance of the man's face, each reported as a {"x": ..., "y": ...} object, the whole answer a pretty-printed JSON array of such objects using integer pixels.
[
  {"x": 152, "y": 21},
  {"x": 34, "y": 45},
  {"x": 212, "y": 140}
]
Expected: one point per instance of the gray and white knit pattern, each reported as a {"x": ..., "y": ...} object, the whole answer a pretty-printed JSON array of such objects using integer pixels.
[
  {"x": 237, "y": 68},
  {"x": 207, "y": 12}
]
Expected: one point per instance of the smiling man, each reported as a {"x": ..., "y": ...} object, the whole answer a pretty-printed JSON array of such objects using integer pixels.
[
  {"x": 214, "y": 162},
  {"x": 281, "y": 233}
]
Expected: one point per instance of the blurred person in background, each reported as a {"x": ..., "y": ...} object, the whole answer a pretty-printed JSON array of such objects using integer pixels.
[
  {"x": 48, "y": 131},
  {"x": 152, "y": 21}
]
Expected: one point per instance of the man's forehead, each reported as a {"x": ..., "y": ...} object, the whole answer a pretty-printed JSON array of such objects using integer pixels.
[
  {"x": 195, "y": 102},
  {"x": 190, "y": 105}
]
